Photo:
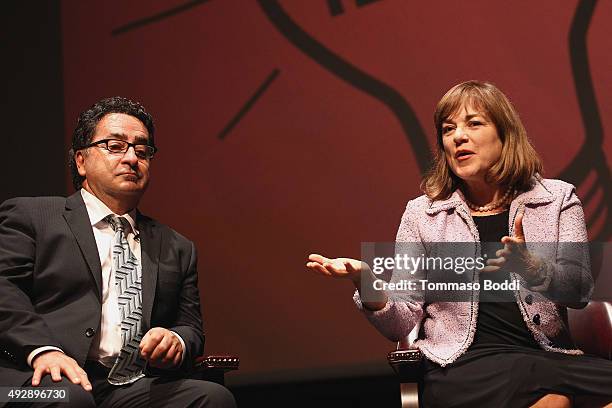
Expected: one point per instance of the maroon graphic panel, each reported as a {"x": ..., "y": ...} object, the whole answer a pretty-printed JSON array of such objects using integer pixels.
[{"x": 290, "y": 127}]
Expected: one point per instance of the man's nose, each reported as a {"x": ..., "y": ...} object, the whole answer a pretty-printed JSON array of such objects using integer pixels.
[{"x": 130, "y": 156}]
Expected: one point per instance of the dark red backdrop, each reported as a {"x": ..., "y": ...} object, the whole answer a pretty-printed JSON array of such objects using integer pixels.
[{"x": 297, "y": 126}]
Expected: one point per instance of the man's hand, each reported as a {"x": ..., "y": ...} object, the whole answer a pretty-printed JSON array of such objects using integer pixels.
[
  {"x": 161, "y": 348},
  {"x": 57, "y": 364}
]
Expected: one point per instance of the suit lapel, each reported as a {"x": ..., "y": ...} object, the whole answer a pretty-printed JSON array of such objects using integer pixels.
[
  {"x": 150, "y": 244},
  {"x": 78, "y": 221}
]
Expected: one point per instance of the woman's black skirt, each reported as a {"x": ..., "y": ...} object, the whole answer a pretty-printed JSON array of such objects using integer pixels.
[{"x": 514, "y": 376}]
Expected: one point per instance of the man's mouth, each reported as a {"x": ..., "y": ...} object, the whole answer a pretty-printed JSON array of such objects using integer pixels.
[{"x": 129, "y": 176}]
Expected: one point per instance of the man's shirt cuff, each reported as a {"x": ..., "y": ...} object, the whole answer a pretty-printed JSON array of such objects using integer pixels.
[
  {"x": 182, "y": 344},
  {"x": 39, "y": 350}
]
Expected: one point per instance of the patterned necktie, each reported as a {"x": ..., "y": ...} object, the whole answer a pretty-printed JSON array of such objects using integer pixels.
[{"x": 129, "y": 366}]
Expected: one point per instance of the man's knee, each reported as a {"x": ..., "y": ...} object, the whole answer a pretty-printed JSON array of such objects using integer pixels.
[
  {"x": 77, "y": 396},
  {"x": 211, "y": 395},
  {"x": 168, "y": 392},
  {"x": 221, "y": 397}
]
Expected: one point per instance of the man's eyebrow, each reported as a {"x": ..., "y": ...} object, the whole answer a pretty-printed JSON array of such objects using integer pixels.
[
  {"x": 119, "y": 136},
  {"x": 123, "y": 136}
]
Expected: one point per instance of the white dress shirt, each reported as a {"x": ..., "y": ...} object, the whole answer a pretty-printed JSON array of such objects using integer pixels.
[{"x": 107, "y": 343}]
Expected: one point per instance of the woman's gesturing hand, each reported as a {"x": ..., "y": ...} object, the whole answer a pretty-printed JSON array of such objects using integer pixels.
[
  {"x": 358, "y": 272},
  {"x": 337, "y": 267},
  {"x": 515, "y": 255}
]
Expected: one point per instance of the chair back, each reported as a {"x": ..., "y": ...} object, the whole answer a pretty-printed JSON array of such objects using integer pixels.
[{"x": 591, "y": 328}]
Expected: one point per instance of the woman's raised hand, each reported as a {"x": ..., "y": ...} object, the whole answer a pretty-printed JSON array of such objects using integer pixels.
[
  {"x": 337, "y": 267},
  {"x": 515, "y": 254},
  {"x": 358, "y": 272},
  {"x": 514, "y": 249}
]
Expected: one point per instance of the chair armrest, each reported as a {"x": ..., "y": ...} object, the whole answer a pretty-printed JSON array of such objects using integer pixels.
[
  {"x": 407, "y": 365},
  {"x": 213, "y": 368},
  {"x": 217, "y": 362}
]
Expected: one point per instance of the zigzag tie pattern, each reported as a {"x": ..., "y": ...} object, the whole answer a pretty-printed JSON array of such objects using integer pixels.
[{"x": 129, "y": 366}]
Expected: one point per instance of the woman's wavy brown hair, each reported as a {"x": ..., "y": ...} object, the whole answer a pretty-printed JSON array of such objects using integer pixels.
[{"x": 519, "y": 161}]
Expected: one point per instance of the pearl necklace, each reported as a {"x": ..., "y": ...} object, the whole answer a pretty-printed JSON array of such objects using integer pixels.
[{"x": 494, "y": 205}]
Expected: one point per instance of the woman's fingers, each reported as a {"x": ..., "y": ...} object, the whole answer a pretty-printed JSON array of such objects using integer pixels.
[
  {"x": 351, "y": 267},
  {"x": 317, "y": 267},
  {"x": 338, "y": 267},
  {"x": 502, "y": 253},
  {"x": 494, "y": 264},
  {"x": 318, "y": 258},
  {"x": 513, "y": 247},
  {"x": 490, "y": 268},
  {"x": 496, "y": 261},
  {"x": 316, "y": 262},
  {"x": 328, "y": 268},
  {"x": 510, "y": 240}
]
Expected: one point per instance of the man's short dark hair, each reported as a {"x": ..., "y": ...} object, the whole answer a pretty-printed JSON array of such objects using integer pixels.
[{"x": 89, "y": 119}]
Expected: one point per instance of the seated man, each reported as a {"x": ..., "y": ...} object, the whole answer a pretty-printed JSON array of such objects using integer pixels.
[{"x": 94, "y": 296}]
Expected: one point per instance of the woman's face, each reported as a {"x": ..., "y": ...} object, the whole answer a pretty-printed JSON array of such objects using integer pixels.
[{"x": 471, "y": 144}]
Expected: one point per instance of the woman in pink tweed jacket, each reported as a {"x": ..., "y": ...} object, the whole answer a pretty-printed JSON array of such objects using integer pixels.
[
  {"x": 450, "y": 326},
  {"x": 486, "y": 171}
]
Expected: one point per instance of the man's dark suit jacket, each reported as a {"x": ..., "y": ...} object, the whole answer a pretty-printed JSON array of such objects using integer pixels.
[{"x": 51, "y": 282}]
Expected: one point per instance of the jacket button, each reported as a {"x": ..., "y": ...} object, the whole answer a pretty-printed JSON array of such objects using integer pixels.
[
  {"x": 536, "y": 319},
  {"x": 529, "y": 299},
  {"x": 90, "y": 332}
]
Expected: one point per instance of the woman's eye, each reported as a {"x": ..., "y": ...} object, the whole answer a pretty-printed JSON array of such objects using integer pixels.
[
  {"x": 474, "y": 123},
  {"x": 446, "y": 129}
]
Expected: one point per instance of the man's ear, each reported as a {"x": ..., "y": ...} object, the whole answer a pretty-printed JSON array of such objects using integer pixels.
[{"x": 79, "y": 159}]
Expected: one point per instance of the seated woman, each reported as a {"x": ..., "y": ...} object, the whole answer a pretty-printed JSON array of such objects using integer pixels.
[{"x": 484, "y": 187}]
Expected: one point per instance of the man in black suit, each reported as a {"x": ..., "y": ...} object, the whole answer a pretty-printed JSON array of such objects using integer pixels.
[{"x": 95, "y": 296}]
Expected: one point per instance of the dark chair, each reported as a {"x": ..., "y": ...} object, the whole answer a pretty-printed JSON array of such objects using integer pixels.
[
  {"x": 214, "y": 367},
  {"x": 407, "y": 363},
  {"x": 591, "y": 330}
]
